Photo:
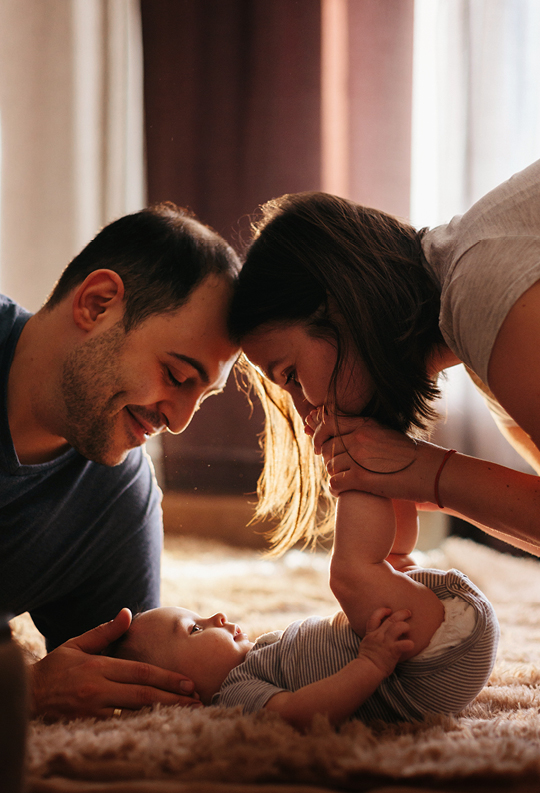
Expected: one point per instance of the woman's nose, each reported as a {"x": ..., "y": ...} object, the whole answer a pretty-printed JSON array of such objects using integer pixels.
[{"x": 303, "y": 407}]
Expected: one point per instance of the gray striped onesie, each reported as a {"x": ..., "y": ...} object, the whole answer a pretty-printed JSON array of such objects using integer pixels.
[{"x": 317, "y": 647}]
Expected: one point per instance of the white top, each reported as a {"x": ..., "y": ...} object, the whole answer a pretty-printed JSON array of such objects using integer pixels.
[{"x": 483, "y": 261}]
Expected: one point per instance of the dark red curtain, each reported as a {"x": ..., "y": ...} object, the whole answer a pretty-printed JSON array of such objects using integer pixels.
[
  {"x": 380, "y": 102},
  {"x": 232, "y": 104},
  {"x": 232, "y": 95}
]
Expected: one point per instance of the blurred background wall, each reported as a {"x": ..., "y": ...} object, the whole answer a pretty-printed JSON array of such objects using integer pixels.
[
  {"x": 71, "y": 126},
  {"x": 417, "y": 107}
]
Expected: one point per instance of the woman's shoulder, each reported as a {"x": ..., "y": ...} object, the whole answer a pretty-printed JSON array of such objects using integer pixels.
[
  {"x": 492, "y": 251},
  {"x": 512, "y": 209}
]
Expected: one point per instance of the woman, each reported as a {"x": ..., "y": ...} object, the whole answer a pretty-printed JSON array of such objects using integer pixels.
[{"x": 349, "y": 309}]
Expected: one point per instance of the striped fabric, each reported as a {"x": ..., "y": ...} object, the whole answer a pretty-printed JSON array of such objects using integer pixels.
[{"x": 317, "y": 647}]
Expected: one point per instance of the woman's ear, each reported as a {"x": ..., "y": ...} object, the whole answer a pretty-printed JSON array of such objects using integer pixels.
[{"x": 100, "y": 297}]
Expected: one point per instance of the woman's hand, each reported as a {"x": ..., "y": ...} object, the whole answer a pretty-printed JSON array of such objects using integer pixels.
[{"x": 361, "y": 454}]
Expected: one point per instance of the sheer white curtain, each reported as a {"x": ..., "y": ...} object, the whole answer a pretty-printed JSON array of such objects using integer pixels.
[
  {"x": 71, "y": 115},
  {"x": 476, "y": 120}
]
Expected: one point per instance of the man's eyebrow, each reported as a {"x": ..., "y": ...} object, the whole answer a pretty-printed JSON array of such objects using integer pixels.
[{"x": 197, "y": 365}]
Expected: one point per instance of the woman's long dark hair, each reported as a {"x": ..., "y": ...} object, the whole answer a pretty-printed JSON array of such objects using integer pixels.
[{"x": 353, "y": 275}]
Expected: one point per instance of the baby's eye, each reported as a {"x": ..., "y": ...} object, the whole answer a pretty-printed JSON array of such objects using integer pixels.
[{"x": 195, "y": 628}]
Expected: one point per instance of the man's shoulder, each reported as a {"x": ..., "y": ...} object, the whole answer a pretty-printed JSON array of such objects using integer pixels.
[
  {"x": 9, "y": 306},
  {"x": 76, "y": 484},
  {"x": 82, "y": 499},
  {"x": 10, "y": 311},
  {"x": 6, "y": 302}
]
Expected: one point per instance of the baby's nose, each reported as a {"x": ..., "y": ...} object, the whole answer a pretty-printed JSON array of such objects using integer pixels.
[{"x": 219, "y": 618}]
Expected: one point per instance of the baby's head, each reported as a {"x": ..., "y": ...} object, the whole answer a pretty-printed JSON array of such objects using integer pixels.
[{"x": 204, "y": 650}]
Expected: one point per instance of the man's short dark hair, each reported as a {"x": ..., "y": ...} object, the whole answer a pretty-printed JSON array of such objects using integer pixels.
[{"x": 161, "y": 253}]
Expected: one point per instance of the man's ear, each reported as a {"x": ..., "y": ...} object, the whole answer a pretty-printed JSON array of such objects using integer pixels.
[{"x": 100, "y": 295}]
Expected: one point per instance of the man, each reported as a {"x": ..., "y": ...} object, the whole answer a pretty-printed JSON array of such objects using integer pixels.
[{"x": 131, "y": 341}]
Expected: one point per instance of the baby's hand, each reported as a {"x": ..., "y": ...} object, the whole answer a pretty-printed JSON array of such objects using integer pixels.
[{"x": 385, "y": 642}]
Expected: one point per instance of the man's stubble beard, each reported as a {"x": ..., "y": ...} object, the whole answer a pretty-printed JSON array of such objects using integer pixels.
[{"x": 91, "y": 390}]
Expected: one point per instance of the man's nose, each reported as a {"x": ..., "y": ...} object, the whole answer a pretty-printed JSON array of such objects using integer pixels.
[{"x": 180, "y": 413}]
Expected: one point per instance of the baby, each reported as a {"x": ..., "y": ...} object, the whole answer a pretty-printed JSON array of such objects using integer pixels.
[{"x": 409, "y": 642}]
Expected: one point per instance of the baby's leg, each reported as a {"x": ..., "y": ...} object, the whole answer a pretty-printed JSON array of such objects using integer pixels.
[
  {"x": 406, "y": 536},
  {"x": 363, "y": 580}
]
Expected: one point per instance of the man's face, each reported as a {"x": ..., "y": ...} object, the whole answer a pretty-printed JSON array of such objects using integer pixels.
[
  {"x": 118, "y": 389},
  {"x": 203, "y": 649}
]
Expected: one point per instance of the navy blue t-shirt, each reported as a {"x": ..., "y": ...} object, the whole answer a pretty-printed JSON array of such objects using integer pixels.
[{"x": 78, "y": 540}]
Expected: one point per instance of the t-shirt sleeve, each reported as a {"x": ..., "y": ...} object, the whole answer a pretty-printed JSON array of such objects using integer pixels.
[
  {"x": 484, "y": 285},
  {"x": 118, "y": 564},
  {"x": 249, "y": 692},
  {"x": 254, "y": 682}
]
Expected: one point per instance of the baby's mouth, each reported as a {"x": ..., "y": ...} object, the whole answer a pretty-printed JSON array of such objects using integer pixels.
[{"x": 239, "y": 634}]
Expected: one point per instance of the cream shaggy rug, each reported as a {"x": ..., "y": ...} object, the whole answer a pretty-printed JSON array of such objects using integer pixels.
[{"x": 493, "y": 745}]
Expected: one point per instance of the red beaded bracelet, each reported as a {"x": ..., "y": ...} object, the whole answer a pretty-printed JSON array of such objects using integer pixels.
[{"x": 445, "y": 459}]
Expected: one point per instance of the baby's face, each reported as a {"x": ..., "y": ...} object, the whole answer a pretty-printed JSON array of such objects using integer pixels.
[{"x": 205, "y": 650}]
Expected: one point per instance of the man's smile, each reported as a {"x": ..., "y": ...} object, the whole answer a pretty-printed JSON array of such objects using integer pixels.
[{"x": 145, "y": 427}]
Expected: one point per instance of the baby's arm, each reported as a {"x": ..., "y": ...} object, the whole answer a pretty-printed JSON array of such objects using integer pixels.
[
  {"x": 339, "y": 695},
  {"x": 362, "y": 579}
]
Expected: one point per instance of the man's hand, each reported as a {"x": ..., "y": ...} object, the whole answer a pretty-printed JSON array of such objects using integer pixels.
[
  {"x": 385, "y": 642},
  {"x": 75, "y": 681}
]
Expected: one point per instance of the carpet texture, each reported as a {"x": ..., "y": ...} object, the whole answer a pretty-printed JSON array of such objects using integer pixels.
[{"x": 493, "y": 745}]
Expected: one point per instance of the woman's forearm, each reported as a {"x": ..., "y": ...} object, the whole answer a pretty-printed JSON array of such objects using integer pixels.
[
  {"x": 502, "y": 502},
  {"x": 522, "y": 544}
]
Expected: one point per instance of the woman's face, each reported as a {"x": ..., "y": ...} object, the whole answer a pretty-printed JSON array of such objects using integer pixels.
[{"x": 302, "y": 365}]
